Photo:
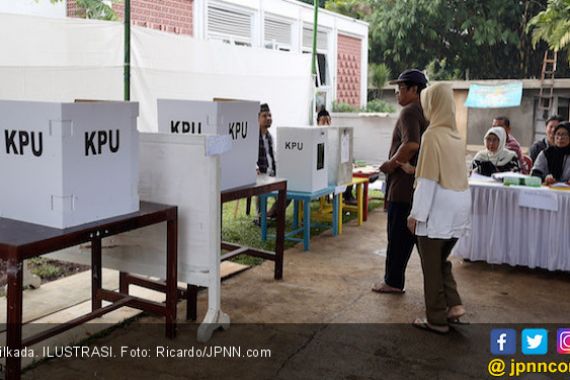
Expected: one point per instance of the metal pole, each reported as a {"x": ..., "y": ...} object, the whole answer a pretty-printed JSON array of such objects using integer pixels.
[
  {"x": 314, "y": 57},
  {"x": 127, "y": 67},
  {"x": 315, "y": 26}
]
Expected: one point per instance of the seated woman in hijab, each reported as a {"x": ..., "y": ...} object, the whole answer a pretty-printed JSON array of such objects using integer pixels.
[
  {"x": 495, "y": 158},
  {"x": 553, "y": 163}
]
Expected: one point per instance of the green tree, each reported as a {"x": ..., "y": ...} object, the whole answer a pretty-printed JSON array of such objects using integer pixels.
[
  {"x": 482, "y": 38},
  {"x": 451, "y": 39},
  {"x": 94, "y": 9},
  {"x": 380, "y": 74},
  {"x": 553, "y": 26},
  {"x": 359, "y": 9},
  {"x": 311, "y": 2}
]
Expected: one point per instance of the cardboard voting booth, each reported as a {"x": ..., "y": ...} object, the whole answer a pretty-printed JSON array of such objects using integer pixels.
[
  {"x": 179, "y": 170},
  {"x": 66, "y": 164},
  {"x": 339, "y": 149},
  {"x": 302, "y": 158},
  {"x": 238, "y": 119}
]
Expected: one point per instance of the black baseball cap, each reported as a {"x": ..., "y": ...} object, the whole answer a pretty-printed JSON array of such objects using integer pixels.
[{"x": 411, "y": 75}]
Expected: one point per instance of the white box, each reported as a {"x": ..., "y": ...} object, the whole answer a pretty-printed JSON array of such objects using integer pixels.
[
  {"x": 339, "y": 149},
  {"x": 66, "y": 164},
  {"x": 302, "y": 158},
  {"x": 236, "y": 118}
]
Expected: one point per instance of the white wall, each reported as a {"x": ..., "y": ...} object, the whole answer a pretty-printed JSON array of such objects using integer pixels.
[
  {"x": 35, "y": 8},
  {"x": 372, "y": 134},
  {"x": 65, "y": 59}
]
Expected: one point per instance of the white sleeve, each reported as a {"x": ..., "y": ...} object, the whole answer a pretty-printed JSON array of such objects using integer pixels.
[{"x": 423, "y": 199}]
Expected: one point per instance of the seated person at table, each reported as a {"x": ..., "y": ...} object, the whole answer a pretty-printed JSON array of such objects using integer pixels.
[
  {"x": 510, "y": 142},
  {"x": 266, "y": 163},
  {"x": 323, "y": 117},
  {"x": 553, "y": 163},
  {"x": 495, "y": 158},
  {"x": 551, "y": 123}
]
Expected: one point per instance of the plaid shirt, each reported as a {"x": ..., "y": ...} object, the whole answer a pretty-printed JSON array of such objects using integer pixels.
[{"x": 262, "y": 162}]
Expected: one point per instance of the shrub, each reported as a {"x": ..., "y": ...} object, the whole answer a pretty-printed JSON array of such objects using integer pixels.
[{"x": 378, "y": 105}]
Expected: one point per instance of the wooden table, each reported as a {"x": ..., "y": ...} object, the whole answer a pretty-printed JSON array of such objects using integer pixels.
[
  {"x": 361, "y": 207},
  {"x": 370, "y": 173},
  {"x": 305, "y": 198},
  {"x": 264, "y": 185},
  {"x": 20, "y": 241}
]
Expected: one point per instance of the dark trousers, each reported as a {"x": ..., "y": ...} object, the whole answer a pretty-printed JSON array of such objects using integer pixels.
[
  {"x": 400, "y": 244},
  {"x": 440, "y": 289}
]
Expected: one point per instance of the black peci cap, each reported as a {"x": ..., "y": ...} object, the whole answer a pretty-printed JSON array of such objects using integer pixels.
[{"x": 411, "y": 75}]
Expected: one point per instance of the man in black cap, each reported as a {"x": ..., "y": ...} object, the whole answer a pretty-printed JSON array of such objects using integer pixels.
[{"x": 406, "y": 138}]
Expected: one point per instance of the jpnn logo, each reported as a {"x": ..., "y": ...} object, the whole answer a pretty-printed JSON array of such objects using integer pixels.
[
  {"x": 534, "y": 341},
  {"x": 503, "y": 341}
]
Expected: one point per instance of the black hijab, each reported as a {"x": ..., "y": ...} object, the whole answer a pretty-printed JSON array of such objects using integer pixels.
[{"x": 555, "y": 156}]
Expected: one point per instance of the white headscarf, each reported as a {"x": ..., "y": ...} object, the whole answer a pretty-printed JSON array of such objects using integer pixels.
[{"x": 500, "y": 157}]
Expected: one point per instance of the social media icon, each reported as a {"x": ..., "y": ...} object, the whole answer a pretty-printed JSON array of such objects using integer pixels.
[
  {"x": 563, "y": 341},
  {"x": 534, "y": 341},
  {"x": 503, "y": 341}
]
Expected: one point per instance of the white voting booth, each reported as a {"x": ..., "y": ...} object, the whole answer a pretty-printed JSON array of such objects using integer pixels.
[
  {"x": 238, "y": 119},
  {"x": 66, "y": 164},
  {"x": 302, "y": 158},
  {"x": 339, "y": 151},
  {"x": 184, "y": 171}
]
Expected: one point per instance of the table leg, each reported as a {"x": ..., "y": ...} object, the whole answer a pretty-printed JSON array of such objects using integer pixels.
[
  {"x": 335, "y": 225},
  {"x": 280, "y": 234},
  {"x": 306, "y": 223},
  {"x": 360, "y": 202},
  {"x": 171, "y": 275},
  {"x": 340, "y": 212},
  {"x": 123, "y": 283},
  {"x": 191, "y": 302},
  {"x": 263, "y": 217},
  {"x": 96, "y": 274},
  {"x": 14, "y": 317},
  {"x": 295, "y": 214},
  {"x": 365, "y": 202}
]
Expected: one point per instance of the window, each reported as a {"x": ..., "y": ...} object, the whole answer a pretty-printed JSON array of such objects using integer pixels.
[
  {"x": 322, "y": 39},
  {"x": 229, "y": 25},
  {"x": 322, "y": 78},
  {"x": 277, "y": 34}
]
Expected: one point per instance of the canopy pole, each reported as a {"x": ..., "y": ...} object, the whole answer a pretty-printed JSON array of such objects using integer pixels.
[
  {"x": 314, "y": 59},
  {"x": 127, "y": 66}
]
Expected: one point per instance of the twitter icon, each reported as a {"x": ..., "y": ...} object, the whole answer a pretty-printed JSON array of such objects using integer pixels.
[{"x": 534, "y": 341}]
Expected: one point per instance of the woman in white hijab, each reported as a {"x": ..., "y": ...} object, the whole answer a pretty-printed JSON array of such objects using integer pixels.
[
  {"x": 495, "y": 158},
  {"x": 441, "y": 210}
]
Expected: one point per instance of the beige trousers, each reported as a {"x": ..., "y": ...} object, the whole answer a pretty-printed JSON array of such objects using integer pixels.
[{"x": 440, "y": 288}]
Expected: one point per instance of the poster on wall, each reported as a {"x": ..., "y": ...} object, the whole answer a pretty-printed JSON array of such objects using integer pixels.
[{"x": 502, "y": 95}]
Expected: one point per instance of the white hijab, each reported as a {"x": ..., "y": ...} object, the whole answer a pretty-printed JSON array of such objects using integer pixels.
[{"x": 500, "y": 157}]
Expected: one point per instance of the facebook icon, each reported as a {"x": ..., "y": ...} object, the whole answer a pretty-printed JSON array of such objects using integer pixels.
[{"x": 503, "y": 341}]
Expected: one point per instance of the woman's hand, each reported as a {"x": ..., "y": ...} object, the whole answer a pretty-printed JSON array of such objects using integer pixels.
[
  {"x": 406, "y": 167},
  {"x": 412, "y": 225},
  {"x": 549, "y": 180}
]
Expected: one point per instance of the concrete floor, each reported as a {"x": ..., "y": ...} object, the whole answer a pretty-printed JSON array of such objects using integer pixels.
[{"x": 322, "y": 321}]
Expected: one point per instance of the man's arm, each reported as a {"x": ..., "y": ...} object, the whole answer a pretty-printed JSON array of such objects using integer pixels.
[{"x": 404, "y": 154}]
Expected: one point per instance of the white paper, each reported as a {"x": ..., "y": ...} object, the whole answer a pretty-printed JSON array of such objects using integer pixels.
[
  {"x": 218, "y": 145},
  {"x": 340, "y": 189},
  {"x": 543, "y": 200},
  {"x": 481, "y": 178},
  {"x": 345, "y": 148}
]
